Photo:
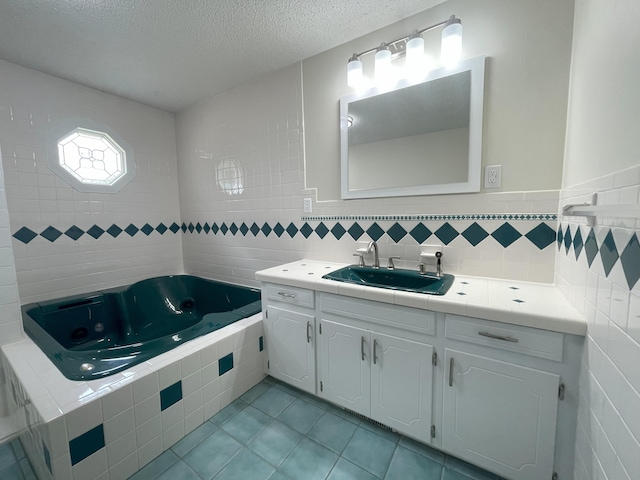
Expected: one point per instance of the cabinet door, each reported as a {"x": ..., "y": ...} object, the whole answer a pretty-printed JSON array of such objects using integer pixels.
[
  {"x": 500, "y": 416},
  {"x": 345, "y": 366},
  {"x": 290, "y": 346},
  {"x": 401, "y": 385}
]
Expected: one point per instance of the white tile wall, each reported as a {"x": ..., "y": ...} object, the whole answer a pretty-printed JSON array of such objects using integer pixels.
[{"x": 608, "y": 437}]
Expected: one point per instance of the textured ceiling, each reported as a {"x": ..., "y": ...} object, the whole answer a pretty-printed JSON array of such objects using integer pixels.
[{"x": 173, "y": 53}]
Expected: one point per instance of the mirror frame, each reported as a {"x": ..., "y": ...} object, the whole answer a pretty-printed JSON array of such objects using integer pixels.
[{"x": 476, "y": 66}]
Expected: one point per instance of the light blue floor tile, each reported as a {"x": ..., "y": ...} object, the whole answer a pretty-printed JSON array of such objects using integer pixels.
[
  {"x": 7, "y": 457},
  {"x": 213, "y": 453},
  {"x": 158, "y": 466},
  {"x": 275, "y": 442},
  {"x": 345, "y": 470},
  {"x": 424, "y": 450},
  {"x": 179, "y": 470},
  {"x": 27, "y": 470},
  {"x": 333, "y": 432},
  {"x": 339, "y": 412},
  {"x": 369, "y": 451},
  {"x": 12, "y": 472},
  {"x": 273, "y": 402},
  {"x": 246, "y": 465},
  {"x": 270, "y": 380},
  {"x": 255, "y": 392},
  {"x": 18, "y": 451},
  {"x": 228, "y": 412},
  {"x": 470, "y": 471},
  {"x": 384, "y": 433},
  {"x": 247, "y": 424},
  {"x": 277, "y": 475},
  {"x": 408, "y": 465},
  {"x": 300, "y": 415},
  {"x": 289, "y": 389},
  {"x": 185, "y": 445},
  {"x": 309, "y": 461}
]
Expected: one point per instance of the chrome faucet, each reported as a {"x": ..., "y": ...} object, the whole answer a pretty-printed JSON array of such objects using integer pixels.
[{"x": 376, "y": 259}]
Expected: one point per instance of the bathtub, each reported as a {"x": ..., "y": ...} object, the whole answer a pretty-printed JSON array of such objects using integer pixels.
[{"x": 101, "y": 333}]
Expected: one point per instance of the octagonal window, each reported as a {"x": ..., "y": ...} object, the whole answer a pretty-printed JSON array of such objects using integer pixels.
[{"x": 91, "y": 158}]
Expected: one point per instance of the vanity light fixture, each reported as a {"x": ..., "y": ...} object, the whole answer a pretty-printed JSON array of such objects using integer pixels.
[{"x": 417, "y": 63}]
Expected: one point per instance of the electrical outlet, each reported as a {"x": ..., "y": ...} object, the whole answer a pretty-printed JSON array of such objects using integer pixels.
[
  {"x": 307, "y": 205},
  {"x": 492, "y": 176}
]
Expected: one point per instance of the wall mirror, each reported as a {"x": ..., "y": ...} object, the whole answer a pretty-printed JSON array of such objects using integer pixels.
[{"x": 416, "y": 139}]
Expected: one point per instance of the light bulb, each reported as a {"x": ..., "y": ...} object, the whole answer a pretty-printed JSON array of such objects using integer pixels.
[
  {"x": 383, "y": 68},
  {"x": 354, "y": 72},
  {"x": 451, "y": 42},
  {"x": 416, "y": 62}
]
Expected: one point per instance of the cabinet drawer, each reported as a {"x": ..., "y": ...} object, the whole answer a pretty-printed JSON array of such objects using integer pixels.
[
  {"x": 292, "y": 295},
  {"x": 528, "y": 341}
]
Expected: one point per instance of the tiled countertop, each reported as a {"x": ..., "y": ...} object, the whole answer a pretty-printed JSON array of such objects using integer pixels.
[{"x": 536, "y": 305}]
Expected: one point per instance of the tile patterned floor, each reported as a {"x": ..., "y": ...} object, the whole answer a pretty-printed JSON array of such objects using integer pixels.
[
  {"x": 278, "y": 433},
  {"x": 14, "y": 464}
]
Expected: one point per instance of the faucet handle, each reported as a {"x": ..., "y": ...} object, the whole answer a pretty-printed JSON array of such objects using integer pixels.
[
  {"x": 422, "y": 268},
  {"x": 361, "y": 259},
  {"x": 390, "y": 264}
]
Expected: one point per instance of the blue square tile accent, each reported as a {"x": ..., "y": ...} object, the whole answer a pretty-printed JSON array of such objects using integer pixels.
[
  {"x": 396, "y": 232},
  {"x": 225, "y": 364},
  {"x": 191, "y": 227},
  {"x": 174, "y": 227},
  {"x": 233, "y": 229},
  {"x": 198, "y": 227},
  {"x": 292, "y": 230},
  {"x": 567, "y": 239},
  {"x": 47, "y": 457},
  {"x": 170, "y": 395},
  {"x": 608, "y": 253},
  {"x": 630, "y": 259},
  {"x": 322, "y": 230},
  {"x": 420, "y": 233},
  {"x": 306, "y": 230},
  {"x": 25, "y": 235},
  {"x": 161, "y": 228},
  {"x": 577, "y": 242},
  {"x": 51, "y": 234},
  {"x": 261, "y": 343},
  {"x": 355, "y": 231},
  {"x": 74, "y": 232},
  {"x": 446, "y": 233},
  {"x": 223, "y": 228},
  {"x": 147, "y": 229},
  {"x": 254, "y": 229},
  {"x": 86, "y": 444},
  {"x": 505, "y": 234},
  {"x": 266, "y": 229},
  {"x": 375, "y": 232},
  {"x": 591, "y": 247},
  {"x": 244, "y": 229},
  {"x": 278, "y": 229},
  {"x": 474, "y": 234},
  {"x": 206, "y": 227},
  {"x": 215, "y": 228},
  {"x": 131, "y": 230},
  {"x": 560, "y": 237},
  {"x": 541, "y": 236},
  {"x": 338, "y": 231}
]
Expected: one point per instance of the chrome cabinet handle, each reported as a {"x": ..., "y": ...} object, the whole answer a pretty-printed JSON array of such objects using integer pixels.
[
  {"x": 287, "y": 295},
  {"x": 308, "y": 334},
  {"x": 498, "y": 337},
  {"x": 375, "y": 351},
  {"x": 362, "y": 347},
  {"x": 451, "y": 372}
]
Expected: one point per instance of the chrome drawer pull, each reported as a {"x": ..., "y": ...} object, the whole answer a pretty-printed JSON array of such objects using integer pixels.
[
  {"x": 308, "y": 334},
  {"x": 498, "y": 337},
  {"x": 287, "y": 295},
  {"x": 362, "y": 347},
  {"x": 451, "y": 372},
  {"x": 375, "y": 352}
]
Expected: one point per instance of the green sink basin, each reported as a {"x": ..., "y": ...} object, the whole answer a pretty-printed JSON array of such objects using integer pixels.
[{"x": 397, "y": 279}]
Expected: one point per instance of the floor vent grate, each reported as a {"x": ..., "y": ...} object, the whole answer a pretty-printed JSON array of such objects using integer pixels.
[{"x": 363, "y": 417}]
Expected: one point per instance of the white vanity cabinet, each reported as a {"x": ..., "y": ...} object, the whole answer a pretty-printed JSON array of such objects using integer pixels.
[{"x": 289, "y": 328}]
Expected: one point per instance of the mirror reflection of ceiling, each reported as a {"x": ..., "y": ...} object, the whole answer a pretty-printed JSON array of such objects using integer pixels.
[
  {"x": 447, "y": 109},
  {"x": 171, "y": 54}
]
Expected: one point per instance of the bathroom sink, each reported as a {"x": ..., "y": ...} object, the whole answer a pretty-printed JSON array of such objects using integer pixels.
[{"x": 396, "y": 279}]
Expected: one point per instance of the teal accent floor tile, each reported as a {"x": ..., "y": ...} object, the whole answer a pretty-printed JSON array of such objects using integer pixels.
[
  {"x": 333, "y": 432},
  {"x": 187, "y": 444},
  {"x": 247, "y": 424},
  {"x": 179, "y": 470},
  {"x": 275, "y": 442},
  {"x": 255, "y": 392},
  {"x": 345, "y": 470},
  {"x": 408, "y": 465},
  {"x": 157, "y": 467},
  {"x": 300, "y": 415},
  {"x": 213, "y": 454},
  {"x": 424, "y": 450},
  {"x": 309, "y": 461},
  {"x": 467, "y": 469},
  {"x": 246, "y": 465},
  {"x": 12, "y": 472},
  {"x": 7, "y": 457},
  {"x": 384, "y": 433},
  {"x": 228, "y": 412},
  {"x": 369, "y": 451},
  {"x": 273, "y": 402}
]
